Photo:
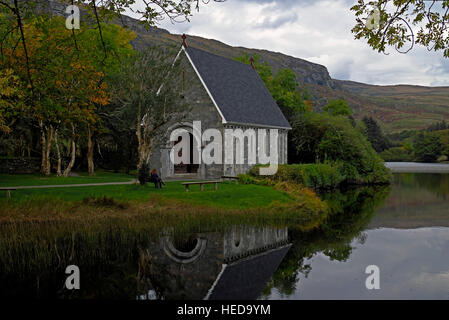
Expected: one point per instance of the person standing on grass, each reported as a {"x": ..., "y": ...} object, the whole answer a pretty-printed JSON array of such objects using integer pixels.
[{"x": 156, "y": 179}]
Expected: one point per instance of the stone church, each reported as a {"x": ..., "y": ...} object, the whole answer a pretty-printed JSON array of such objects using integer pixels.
[{"x": 225, "y": 95}]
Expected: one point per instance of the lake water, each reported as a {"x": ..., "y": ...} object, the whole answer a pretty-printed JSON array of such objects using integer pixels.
[
  {"x": 407, "y": 237},
  {"x": 402, "y": 229}
]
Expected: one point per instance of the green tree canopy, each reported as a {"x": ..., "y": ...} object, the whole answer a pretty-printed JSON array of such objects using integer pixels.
[
  {"x": 282, "y": 86},
  {"x": 375, "y": 135},
  {"x": 63, "y": 79},
  {"x": 263, "y": 69},
  {"x": 321, "y": 137},
  {"x": 11, "y": 102},
  {"x": 402, "y": 24},
  {"x": 428, "y": 147},
  {"x": 338, "y": 108},
  {"x": 145, "y": 96}
]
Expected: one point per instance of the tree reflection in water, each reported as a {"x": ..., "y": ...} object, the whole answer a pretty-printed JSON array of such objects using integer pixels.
[{"x": 350, "y": 213}]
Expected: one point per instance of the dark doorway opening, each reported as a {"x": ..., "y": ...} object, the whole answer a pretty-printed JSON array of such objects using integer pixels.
[{"x": 190, "y": 167}]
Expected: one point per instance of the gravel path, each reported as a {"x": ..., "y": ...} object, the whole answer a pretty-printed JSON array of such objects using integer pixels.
[
  {"x": 415, "y": 167},
  {"x": 71, "y": 185}
]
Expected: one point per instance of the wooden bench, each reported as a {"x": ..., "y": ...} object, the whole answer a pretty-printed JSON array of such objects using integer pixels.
[
  {"x": 231, "y": 178},
  {"x": 8, "y": 191},
  {"x": 201, "y": 183}
]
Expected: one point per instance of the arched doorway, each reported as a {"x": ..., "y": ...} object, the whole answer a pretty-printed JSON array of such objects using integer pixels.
[{"x": 190, "y": 167}]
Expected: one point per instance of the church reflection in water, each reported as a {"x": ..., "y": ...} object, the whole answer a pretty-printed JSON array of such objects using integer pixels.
[{"x": 236, "y": 264}]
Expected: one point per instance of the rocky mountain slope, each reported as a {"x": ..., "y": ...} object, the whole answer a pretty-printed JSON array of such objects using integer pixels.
[{"x": 395, "y": 107}]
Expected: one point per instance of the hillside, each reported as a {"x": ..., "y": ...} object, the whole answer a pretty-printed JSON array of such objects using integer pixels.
[
  {"x": 402, "y": 106},
  {"x": 395, "y": 107}
]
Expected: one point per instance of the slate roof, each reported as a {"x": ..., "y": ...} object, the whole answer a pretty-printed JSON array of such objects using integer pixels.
[
  {"x": 246, "y": 279},
  {"x": 239, "y": 92}
]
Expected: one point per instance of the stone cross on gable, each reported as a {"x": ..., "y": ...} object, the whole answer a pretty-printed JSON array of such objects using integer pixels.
[{"x": 184, "y": 42}]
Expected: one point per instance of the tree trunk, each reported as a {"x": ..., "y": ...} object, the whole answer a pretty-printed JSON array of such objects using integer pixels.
[
  {"x": 72, "y": 160},
  {"x": 144, "y": 149},
  {"x": 48, "y": 149},
  {"x": 90, "y": 152},
  {"x": 139, "y": 140},
  {"x": 58, "y": 170},
  {"x": 147, "y": 152},
  {"x": 144, "y": 140},
  {"x": 46, "y": 140},
  {"x": 43, "y": 146}
]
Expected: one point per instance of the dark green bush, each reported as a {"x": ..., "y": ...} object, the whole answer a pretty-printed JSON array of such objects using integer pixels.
[
  {"x": 397, "y": 154},
  {"x": 321, "y": 138},
  {"x": 316, "y": 176},
  {"x": 428, "y": 147},
  {"x": 327, "y": 175}
]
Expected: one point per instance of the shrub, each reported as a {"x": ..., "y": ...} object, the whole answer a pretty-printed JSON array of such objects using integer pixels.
[
  {"x": 306, "y": 200},
  {"x": 323, "y": 139},
  {"x": 329, "y": 175},
  {"x": 428, "y": 147},
  {"x": 316, "y": 176},
  {"x": 397, "y": 154}
]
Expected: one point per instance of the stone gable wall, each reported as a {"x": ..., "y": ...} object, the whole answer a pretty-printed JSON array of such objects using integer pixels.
[{"x": 201, "y": 109}]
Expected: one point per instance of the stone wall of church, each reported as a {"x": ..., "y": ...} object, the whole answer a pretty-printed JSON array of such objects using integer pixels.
[
  {"x": 201, "y": 108},
  {"x": 238, "y": 168}
]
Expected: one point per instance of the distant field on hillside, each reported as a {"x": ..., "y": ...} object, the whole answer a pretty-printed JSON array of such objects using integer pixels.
[
  {"x": 402, "y": 106},
  {"x": 397, "y": 108}
]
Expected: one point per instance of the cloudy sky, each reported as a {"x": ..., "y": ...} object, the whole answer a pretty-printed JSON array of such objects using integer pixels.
[{"x": 315, "y": 30}]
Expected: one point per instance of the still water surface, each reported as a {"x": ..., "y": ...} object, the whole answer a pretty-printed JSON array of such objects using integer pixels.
[
  {"x": 403, "y": 229},
  {"x": 407, "y": 237}
]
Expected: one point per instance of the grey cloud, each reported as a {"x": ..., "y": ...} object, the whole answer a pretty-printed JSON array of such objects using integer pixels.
[
  {"x": 315, "y": 30},
  {"x": 441, "y": 67},
  {"x": 344, "y": 70},
  {"x": 274, "y": 22}
]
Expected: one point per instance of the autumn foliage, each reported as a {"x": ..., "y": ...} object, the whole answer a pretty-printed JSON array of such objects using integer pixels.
[{"x": 63, "y": 81}]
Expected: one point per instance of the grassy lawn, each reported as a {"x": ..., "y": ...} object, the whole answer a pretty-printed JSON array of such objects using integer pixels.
[
  {"x": 228, "y": 195},
  {"x": 35, "y": 218},
  {"x": 12, "y": 180}
]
